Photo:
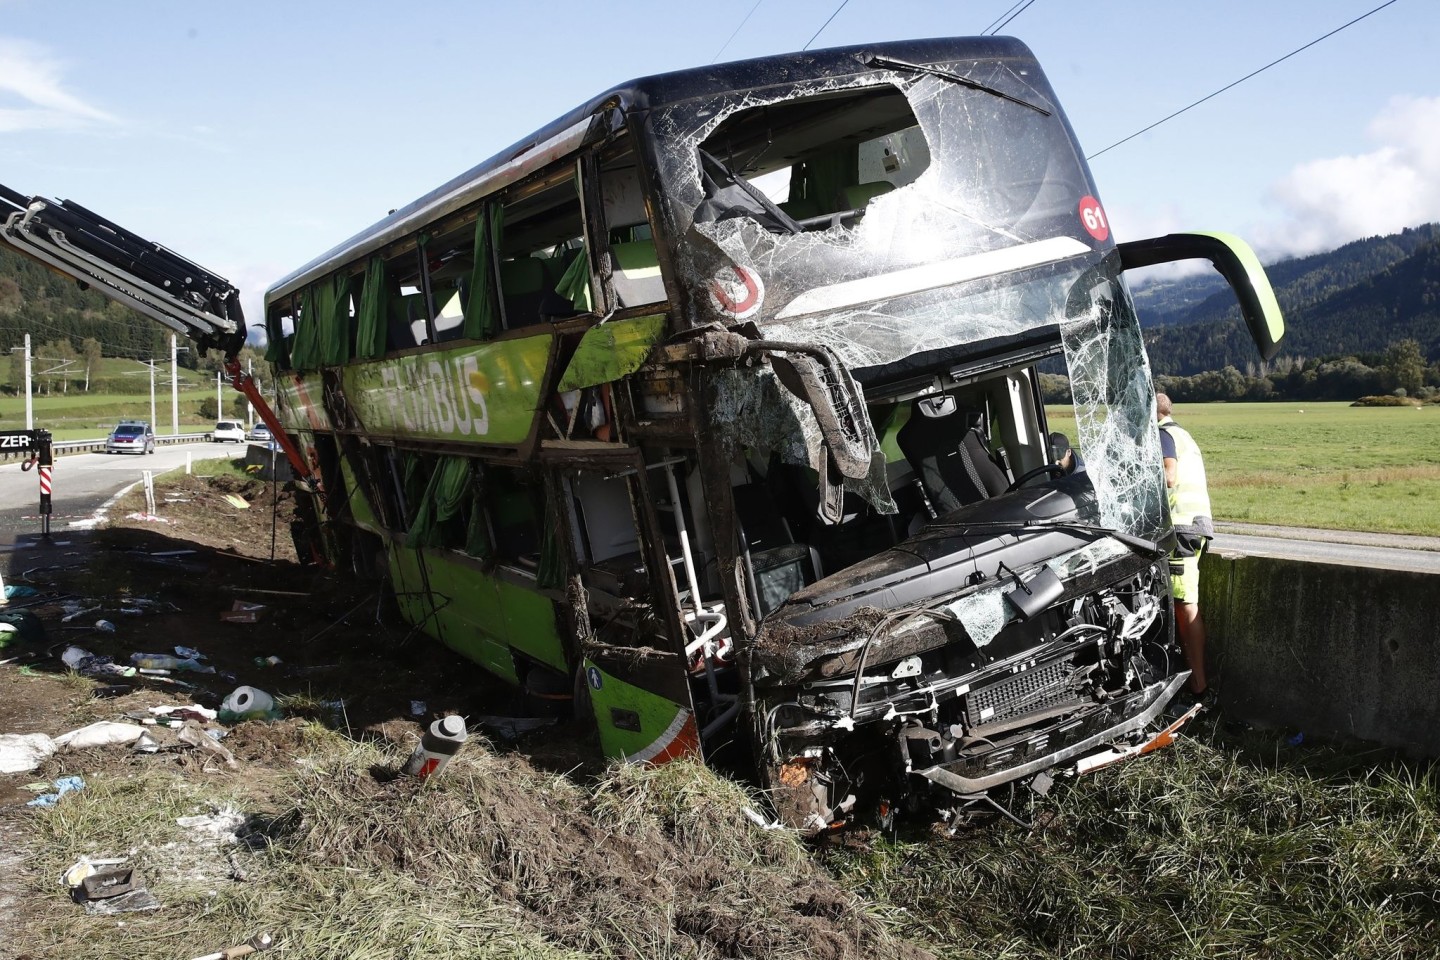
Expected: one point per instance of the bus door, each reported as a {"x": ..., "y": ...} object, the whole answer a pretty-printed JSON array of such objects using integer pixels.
[{"x": 633, "y": 665}]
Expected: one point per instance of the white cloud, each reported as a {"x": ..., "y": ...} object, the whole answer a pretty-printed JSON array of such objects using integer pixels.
[
  {"x": 32, "y": 75},
  {"x": 1329, "y": 202}
]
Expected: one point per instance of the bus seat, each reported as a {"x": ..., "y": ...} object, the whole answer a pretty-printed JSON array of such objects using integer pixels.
[
  {"x": 407, "y": 322},
  {"x": 522, "y": 285},
  {"x": 949, "y": 453},
  {"x": 856, "y": 197}
]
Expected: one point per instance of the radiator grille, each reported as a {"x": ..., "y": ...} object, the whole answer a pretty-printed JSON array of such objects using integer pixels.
[{"x": 1034, "y": 689}]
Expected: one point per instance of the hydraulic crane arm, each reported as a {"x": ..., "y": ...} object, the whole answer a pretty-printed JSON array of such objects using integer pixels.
[{"x": 143, "y": 275}]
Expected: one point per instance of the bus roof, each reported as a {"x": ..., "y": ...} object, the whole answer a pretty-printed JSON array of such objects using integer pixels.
[{"x": 568, "y": 132}]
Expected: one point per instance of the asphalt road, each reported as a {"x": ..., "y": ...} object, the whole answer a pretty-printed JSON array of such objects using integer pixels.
[{"x": 83, "y": 482}]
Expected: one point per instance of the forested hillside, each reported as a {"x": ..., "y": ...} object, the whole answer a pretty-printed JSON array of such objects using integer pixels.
[{"x": 1357, "y": 300}]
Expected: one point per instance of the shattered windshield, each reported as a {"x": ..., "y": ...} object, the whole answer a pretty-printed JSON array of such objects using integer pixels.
[{"x": 893, "y": 217}]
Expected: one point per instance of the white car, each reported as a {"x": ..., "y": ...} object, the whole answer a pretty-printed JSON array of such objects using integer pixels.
[
  {"x": 226, "y": 430},
  {"x": 259, "y": 432}
]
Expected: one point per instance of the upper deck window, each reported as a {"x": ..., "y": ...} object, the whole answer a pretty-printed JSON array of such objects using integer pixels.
[{"x": 811, "y": 163}]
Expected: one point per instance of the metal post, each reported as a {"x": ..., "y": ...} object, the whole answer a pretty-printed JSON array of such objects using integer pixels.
[
  {"x": 45, "y": 460},
  {"x": 29, "y": 407},
  {"x": 250, "y": 407},
  {"x": 219, "y": 400},
  {"x": 154, "y": 424},
  {"x": 174, "y": 388}
]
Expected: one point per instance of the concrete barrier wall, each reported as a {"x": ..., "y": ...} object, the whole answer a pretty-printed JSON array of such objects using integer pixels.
[{"x": 1333, "y": 651}]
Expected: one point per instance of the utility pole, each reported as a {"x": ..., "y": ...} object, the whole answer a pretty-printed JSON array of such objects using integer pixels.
[
  {"x": 174, "y": 388},
  {"x": 153, "y": 423},
  {"x": 219, "y": 401},
  {"x": 29, "y": 406},
  {"x": 249, "y": 372}
]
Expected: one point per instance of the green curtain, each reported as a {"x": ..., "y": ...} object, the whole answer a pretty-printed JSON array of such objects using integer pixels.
[
  {"x": 821, "y": 178},
  {"x": 305, "y": 349},
  {"x": 374, "y": 301},
  {"x": 481, "y": 315},
  {"x": 277, "y": 351},
  {"x": 551, "y": 573},
  {"x": 322, "y": 337},
  {"x": 412, "y": 479},
  {"x": 334, "y": 316},
  {"x": 445, "y": 494},
  {"x": 574, "y": 284}
]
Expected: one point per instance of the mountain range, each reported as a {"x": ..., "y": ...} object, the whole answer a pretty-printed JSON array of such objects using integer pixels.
[{"x": 1352, "y": 301}]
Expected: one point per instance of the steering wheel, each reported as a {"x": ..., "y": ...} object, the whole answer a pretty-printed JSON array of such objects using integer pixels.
[{"x": 1054, "y": 468}]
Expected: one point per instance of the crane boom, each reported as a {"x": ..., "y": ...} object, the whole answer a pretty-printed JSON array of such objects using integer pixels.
[{"x": 145, "y": 276}]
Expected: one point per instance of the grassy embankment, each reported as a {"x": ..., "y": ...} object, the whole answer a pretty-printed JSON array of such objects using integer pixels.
[{"x": 1325, "y": 465}]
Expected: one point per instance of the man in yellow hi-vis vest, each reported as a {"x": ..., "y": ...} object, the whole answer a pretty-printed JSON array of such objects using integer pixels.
[{"x": 1190, "y": 515}]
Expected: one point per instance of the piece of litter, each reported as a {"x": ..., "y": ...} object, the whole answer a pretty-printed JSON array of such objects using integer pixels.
[
  {"x": 23, "y": 752},
  {"x": 418, "y": 708},
  {"x": 193, "y": 734},
  {"x": 101, "y": 734},
  {"x": 139, "y": 899},
  {"x": 513, "y": 728},
  {"x": 218, "y": 827},
  {"x": 62, "y": 786},
  {"x": 189, "y": 652},
  {"x": 237, "y": 501}
]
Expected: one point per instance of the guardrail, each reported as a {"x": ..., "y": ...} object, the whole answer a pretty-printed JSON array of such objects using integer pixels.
[{"x": 98, "y": 446}]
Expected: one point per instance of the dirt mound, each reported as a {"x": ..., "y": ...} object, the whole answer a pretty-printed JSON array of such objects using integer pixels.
[{"x": 649, "y": 856}]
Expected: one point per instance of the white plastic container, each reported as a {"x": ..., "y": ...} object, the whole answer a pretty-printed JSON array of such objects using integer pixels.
[
  {"x": 441, "y": 742},
  {"x": 247, "y": 703}
]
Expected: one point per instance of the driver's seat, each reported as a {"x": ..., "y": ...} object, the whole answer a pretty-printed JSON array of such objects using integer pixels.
[{"x": 949, "y": 453}]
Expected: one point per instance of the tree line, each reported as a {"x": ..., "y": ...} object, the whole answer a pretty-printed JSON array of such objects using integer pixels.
[{"x": 1400, "y": 371}]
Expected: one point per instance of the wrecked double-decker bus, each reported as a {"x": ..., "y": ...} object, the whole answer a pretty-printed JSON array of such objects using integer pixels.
[{"x": 715, "y": 405}]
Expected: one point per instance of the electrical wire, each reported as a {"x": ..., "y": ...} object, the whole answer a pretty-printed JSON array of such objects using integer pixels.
[
  {"x": 1242, "y": 79},
  {"x": 825, "y": 24},
  {"x": 1012, "y": 16},
  {"x": 994, "y": 24},
  {"x": 736, "y": 33}
]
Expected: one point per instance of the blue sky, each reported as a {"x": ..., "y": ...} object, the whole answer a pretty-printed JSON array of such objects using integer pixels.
[{"x": 252, "y": 136}]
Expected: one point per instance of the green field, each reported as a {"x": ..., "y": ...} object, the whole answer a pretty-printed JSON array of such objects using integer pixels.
[
  {"x": 1326, "y": 465},
  {"x": 83, "y": 416}
]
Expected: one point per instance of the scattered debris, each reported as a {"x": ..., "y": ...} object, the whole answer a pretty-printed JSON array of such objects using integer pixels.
[
  {"x": 243, "y": 612},
  {"x": 23, "y": 752},
  {"x": 236, "y": 501},
  {"x": 75, "y": 611},
  {"x": 194, "y": 734},
  {"x": 146, "y": 517},
  {"x": 270, "y": 661},
  {"x": 218, "y": 828},
  {"x": 188, "y": 711},
  {"x": 87, "y": 664},
  {"x": 102, "y": 733},
  {"x": 513, "y": 728},
  {"x": 104, "y": 626},
  {"x": 189, "y": 653},
  {"x": 418, "y": 708},
  {"x": 255, "y": 944},
  {"x": 62, "y": 786},
  {"x": 163, "y": 661}
]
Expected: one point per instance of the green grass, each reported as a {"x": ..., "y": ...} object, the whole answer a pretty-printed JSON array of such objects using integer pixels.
[
  {"x": 81, "y": 416},
  {"x": 1325, "y": 465},
  {"x": 1221, "y": 847}
]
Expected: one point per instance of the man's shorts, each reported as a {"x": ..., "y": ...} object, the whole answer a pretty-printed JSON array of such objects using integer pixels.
[{"x": 1185, "y": 572}]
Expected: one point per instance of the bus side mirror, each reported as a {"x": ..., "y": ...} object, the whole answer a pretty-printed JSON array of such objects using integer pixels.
[{"x": 1236, "y": 262}]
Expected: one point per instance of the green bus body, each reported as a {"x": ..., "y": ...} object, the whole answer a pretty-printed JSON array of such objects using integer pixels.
[{"x": 714, "y": 408}]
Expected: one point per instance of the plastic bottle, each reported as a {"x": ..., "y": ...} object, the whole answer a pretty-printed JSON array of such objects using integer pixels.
[
  {"x": 248, "y": 703},
  {"x": 163, "y": 661},
  {"x": 441, "y": 742}
]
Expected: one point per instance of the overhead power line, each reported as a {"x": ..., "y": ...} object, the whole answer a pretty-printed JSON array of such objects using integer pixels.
[
  {"x": 1241, "y": 80},
  {"x": 1006, "y": 22},
  {"x": 736, "y": 33},
  {"x": 825, "y": 24},
  {"x": 996, "y": 22}
]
